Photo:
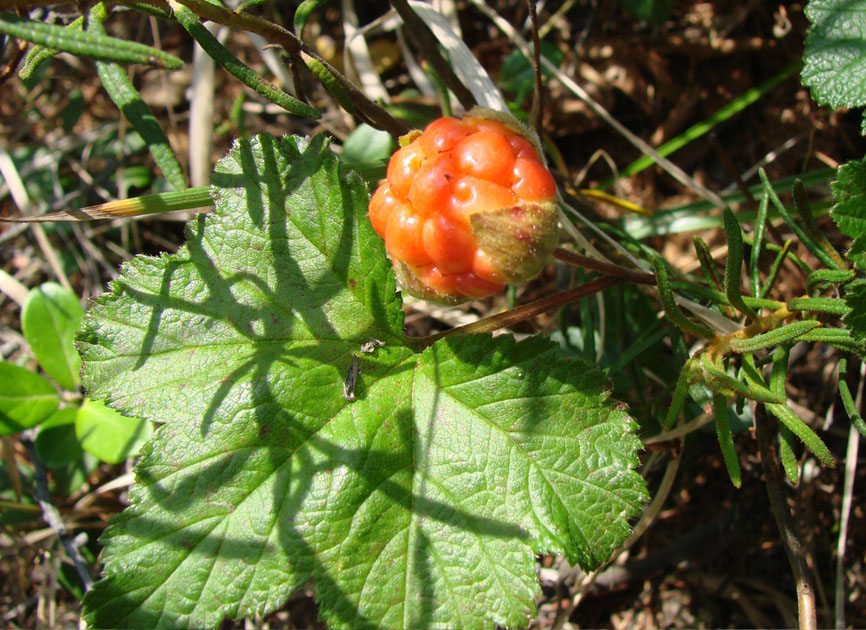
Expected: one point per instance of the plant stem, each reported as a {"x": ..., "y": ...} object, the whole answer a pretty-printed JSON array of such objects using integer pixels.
[
  {"x": 606, "y": 268},
  {"x": 765, "y": 429},
  {"x": 521, "y": 313}
]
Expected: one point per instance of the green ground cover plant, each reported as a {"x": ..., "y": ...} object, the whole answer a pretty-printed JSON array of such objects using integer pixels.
[{"x": 288, "y": 429}]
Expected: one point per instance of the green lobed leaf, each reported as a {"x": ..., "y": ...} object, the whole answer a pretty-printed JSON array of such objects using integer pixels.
[
  {"x": 368, "y": 144},
  {"x": 849, "y": 211},
  {"x": 517, "y": 74},
  {"x": 422, "y": 503},
  {"x": 834, "y": 59},
  {"x": 49, "y": 320},
  {"x": 26, "y": 399}
]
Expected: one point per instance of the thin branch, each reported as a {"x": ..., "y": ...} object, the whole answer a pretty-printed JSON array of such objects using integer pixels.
[
  {"x": 522, "y": 313},
  {"x": 609, "y": 269},
  {"x": 765, "y": 426},
  {"x": 9, "y": 70}
]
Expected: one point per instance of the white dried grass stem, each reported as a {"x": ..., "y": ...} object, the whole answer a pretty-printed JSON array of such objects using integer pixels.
[
  {"x": 357, "y": 56},
  {"x": 14, "y": 289},
  {"x": 201, "y": 111},
  {"x": 467, "y": 68},
  {"x": 448, "y": 10},
  {"x": 845, "y": 515},
  {"x": 416, "y": 73},
  {"x": 22, "y": 200}
]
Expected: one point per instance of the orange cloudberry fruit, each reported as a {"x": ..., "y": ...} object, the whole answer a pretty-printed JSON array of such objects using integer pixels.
[{"x": 467, "y": 207}]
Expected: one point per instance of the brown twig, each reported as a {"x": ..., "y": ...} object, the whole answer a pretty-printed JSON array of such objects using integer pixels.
[
  {"x": 765, "y": 429},
  {"x": 10, "y": 68},
  {"x": 430, "y": 52},
  {"x": 608, "y": 269},
  {"x": 521, "y": 313}
]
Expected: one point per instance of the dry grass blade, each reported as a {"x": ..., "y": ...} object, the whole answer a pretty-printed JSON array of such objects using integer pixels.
[
  {"x": 19, "y": 193},
  {"x": 470, "y": 73},
  {"x": 357, "y": 56}
]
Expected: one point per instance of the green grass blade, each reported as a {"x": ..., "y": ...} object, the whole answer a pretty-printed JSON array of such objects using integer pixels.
[
  {"x": 807, "y": 240},
  {"x": 236, "y": 67},
  {"x": 303, "y": 12},
  {"x": 834, "y": 306},
  {"x": 681, "y": 392},
  {"x": 708, "y": 265},
  {"x": 718, "y": 297},
  {"x": 646, "y": 340},
  {"x": 836, "y": 337},
  {"x": 160, "y": 203},
  {"x": 330, "y": 83},
  {"x": 86, "y": 43},
  {"x": 669, "y": 304},
  {"x": 688, "y": 217},
  {"x": 774, "y": 337},
  {"x": 828, "y": 277},
  {"x": 848, "y": 400},
  {"x": 805, "y": 210},
  {"x": 784, "y": 253},
  {"x": 696, "y": 131}
]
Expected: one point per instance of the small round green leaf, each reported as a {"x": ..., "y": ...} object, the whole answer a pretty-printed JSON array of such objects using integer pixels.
[
  {"x": 56, "y": 444},
  {"x": 108, "y": 435},
  {"x": 25, "y": 399},
  {"x": 50, "y": 318},
  {"x": 366, "y": 144}
]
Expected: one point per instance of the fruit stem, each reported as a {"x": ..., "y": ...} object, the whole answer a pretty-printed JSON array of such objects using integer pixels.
[
  {"x": 521, "y": 313},
  {"x": 609, "y": 269}
]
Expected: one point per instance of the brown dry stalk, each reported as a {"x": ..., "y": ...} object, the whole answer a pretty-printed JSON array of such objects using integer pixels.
[{"x": 797, "y": 553}]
